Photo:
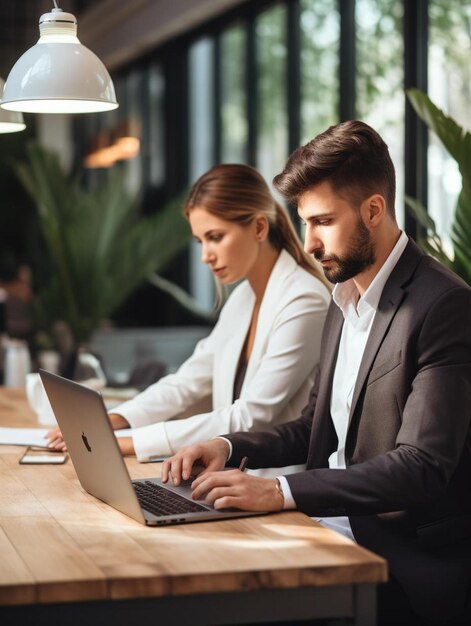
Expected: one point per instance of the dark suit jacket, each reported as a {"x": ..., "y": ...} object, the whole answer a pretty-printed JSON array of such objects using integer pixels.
[{"x": 407, "y": 486}]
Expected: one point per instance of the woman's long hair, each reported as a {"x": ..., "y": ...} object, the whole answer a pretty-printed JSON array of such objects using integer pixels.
[{"x": 238, "y": 193}]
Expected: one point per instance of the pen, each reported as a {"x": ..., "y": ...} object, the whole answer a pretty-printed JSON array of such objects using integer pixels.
[{"x": 243, "y": 463}]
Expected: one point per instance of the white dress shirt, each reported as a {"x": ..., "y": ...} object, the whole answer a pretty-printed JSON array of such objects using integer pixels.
[{"x": 358, "y": 316}]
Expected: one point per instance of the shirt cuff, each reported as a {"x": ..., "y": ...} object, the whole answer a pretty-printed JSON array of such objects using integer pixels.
[
  {"x": 230, "y": 447},
  {"x": 288, "y": 496},
  {"x": 151, "y": 441}
]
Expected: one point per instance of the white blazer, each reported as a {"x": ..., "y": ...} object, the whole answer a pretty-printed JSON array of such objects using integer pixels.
[{"x": 279, "y": 374}]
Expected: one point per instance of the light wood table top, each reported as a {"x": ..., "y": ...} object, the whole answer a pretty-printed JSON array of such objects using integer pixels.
[{"x": 60, "y": 544}]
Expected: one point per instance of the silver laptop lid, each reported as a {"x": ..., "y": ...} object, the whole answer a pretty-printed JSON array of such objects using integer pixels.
[{"x": 83, "y": 420}]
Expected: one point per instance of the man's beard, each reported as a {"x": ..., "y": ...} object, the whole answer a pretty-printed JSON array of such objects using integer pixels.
[{"x": 359, "y": 256}]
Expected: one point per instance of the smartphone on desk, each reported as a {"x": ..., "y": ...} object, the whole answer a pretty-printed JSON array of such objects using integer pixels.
[{"x": 42, "y": 456}]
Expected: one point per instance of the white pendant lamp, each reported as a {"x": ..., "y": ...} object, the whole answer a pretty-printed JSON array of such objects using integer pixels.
[
  {"x": 58, "y": 74},
  {"x": 10, "y": 121}
]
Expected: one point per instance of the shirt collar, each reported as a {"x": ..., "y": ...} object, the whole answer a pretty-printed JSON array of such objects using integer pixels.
[{"x": 345, "y": 295}]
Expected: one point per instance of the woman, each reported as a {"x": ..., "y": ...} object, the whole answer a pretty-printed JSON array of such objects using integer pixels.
[{"x": 258, "y": 363}]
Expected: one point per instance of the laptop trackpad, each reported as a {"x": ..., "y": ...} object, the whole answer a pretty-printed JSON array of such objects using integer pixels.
[{"x": 184, "y": 489}]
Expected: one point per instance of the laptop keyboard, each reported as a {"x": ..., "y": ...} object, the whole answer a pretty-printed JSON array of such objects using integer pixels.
[{"x": 161, "y": 501}]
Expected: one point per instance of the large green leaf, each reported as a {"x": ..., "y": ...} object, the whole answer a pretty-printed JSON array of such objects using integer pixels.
[
  {"x": 430, "y": 242},
  {"x": 100, "y": 249},
  {"x": 457, "y": 142}
]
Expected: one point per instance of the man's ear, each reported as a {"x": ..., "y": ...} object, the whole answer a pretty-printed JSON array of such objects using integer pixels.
[{"x": 374, "y": 209}]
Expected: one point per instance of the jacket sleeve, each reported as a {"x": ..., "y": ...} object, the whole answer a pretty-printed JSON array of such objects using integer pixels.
[
  {"x": 433, "y": 437},
  {"x": 291, "y": 356},
  {"x": 286, "y": 444}
]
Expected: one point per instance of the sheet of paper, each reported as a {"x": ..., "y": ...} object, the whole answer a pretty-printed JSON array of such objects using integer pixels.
[
  {"x": 36, "y": 436},
  {"x": 119, "y": 393},
  {"x": 23, "y": 436}
]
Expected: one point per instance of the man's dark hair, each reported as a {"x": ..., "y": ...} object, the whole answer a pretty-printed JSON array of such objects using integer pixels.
[{"x": 351, "y": 156}]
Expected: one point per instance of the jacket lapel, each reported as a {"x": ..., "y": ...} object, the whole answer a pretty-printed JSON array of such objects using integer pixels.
[
  {"x": 284, "y": 266},
  {"x": 230, "y": 351},
  {"x": 323, "y": 438},
  {"x": 332, "y": 333},
  {"x": 383, "y": 318},
  {"x": 391, "y": 298},
  {"x": 269, "y": 309}
]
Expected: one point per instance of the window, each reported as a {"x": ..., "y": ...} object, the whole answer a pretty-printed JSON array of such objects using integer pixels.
[
  {"x": 380, "y": 79},
  {"x": 449, "y": 77},
  {"x": 135, "y": 118},
  {"x": 270, "y": 75},
  {"x": 234, "y": 126},
  {"x": 271, "y": 106},
  {"x": 320, "y": 35},
  {"x": 201, "y": 106},
  {"x": 153, "y": 141},
  {"x": 201, "y": 148}
]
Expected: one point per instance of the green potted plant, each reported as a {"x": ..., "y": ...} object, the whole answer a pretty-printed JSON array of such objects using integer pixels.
[
  {"x": 99, "y": 248},
  {"x": 457, "y": 142}
]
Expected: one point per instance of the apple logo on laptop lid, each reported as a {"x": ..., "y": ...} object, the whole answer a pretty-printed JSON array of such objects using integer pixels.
[{"x": 85, "y": 442}]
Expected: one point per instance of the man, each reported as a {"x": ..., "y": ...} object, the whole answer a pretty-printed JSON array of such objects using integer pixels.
[{"x": 386, "y": 433}]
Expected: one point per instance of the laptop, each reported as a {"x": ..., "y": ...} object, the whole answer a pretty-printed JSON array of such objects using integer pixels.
[{"x": 101, "y": 470}]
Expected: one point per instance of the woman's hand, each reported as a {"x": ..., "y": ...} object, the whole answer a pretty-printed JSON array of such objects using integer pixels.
[
  {"x": 234, "y": 489},
  {"x": 55, "y": 440},
  {"x": 126, "y": 446},
  {"x": 196, "y": 459},
  {"x": 118, "y": 421}
]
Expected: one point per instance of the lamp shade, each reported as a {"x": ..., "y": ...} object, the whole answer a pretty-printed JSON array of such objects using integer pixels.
[
  {"x": 58, "y": 74},
  {"x": 10, "y": 121}
]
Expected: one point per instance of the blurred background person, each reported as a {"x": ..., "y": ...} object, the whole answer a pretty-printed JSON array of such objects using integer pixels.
[{"x": 16, "y": 296}]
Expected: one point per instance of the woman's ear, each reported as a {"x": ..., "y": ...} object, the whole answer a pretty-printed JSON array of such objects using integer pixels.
[{"x": 261, "y": 227}]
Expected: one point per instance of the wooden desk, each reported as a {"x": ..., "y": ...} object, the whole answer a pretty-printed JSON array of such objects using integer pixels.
[{"x": 66, "y": 555}]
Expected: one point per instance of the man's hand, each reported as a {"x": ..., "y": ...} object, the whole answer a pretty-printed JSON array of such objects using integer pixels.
[
  {"x": 198, "y": 458},
  {"x": 234, "y": 489}
]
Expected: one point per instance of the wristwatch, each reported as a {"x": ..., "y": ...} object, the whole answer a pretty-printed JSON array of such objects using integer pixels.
[{"x": 280, "y": 491}]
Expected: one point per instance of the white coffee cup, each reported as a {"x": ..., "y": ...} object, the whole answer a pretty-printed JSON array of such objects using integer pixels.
[
  {"x": 17, "y": 362},
  {"x": 49, "y": 360},
  {"x": 39, "y": 401}
]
